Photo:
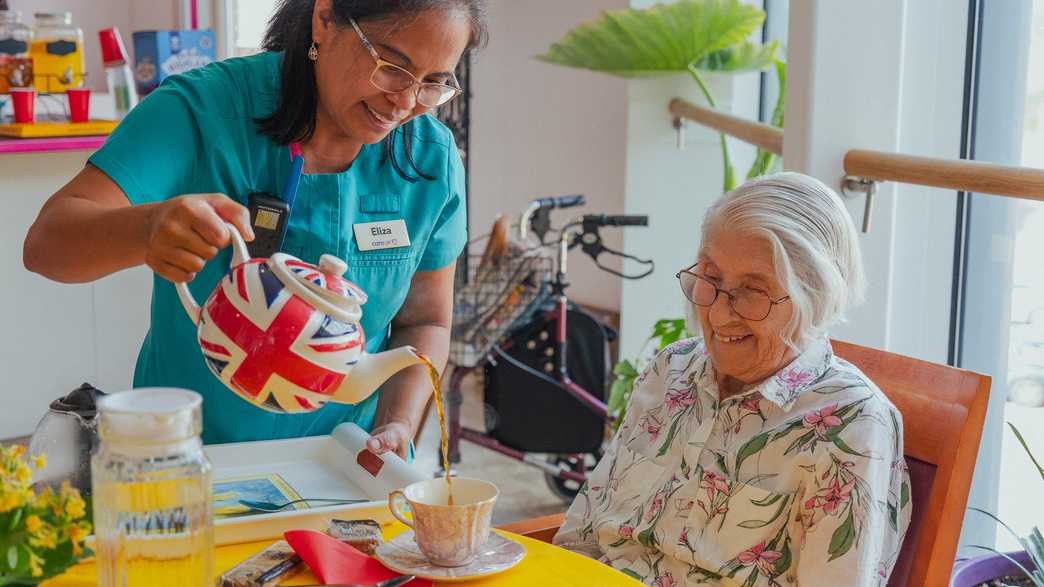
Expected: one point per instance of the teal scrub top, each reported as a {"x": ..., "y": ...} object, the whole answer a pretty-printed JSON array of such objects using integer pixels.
[{"x": 197, "y": 133}]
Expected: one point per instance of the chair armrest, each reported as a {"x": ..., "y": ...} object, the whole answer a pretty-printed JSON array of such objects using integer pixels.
[{"x": 543, "y": 528}]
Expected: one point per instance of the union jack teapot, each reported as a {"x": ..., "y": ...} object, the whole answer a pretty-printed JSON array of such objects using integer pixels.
[{"x": 284, "y": 334}]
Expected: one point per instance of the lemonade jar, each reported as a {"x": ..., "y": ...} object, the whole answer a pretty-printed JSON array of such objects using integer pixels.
[
  {"x": 151, "y": 481},
  {"x": 57, "y": 52}
]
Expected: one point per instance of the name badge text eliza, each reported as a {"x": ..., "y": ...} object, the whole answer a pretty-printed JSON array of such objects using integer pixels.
[{"x": 388, "y": 234}]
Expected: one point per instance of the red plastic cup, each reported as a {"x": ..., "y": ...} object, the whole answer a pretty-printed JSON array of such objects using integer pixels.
[
  {"x": 24, "y": 101},
  {"x": 79, "y": 103}
]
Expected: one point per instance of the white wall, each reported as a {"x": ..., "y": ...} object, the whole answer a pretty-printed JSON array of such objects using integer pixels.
[
  {"x": 542, "y": 130},
  {"x": 57, "y": 336},
  {"x": 94, "y": 15}
]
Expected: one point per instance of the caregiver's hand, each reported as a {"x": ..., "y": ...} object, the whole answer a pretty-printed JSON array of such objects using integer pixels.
[
  {"x": 186, "y": 232},
  {"x": 391, "y": 436}
]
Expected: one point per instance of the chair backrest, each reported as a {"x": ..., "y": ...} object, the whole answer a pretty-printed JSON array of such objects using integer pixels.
[{"x": 943, "y": 410}]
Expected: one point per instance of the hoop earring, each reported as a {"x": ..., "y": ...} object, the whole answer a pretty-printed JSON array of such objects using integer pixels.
[{"x": 313, "y": 51}]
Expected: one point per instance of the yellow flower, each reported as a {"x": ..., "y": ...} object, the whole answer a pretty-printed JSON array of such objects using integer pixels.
[
  {"x": 40, "y": 461},
  {"x": 23, "y": 474},
  {"x": 77, "y": 534},
  {"x": 34, "y": 565},
  {"x": 17, "y": 450},
  {"x": 75, "y": 507},
  {"x": 9, "y": 500},
  {"x": 33, "y": 523}
]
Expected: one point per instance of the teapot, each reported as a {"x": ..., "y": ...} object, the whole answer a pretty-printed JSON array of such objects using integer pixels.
[
  {"x": 284, "y": 334},
  {"x": 67, "y": 434}
]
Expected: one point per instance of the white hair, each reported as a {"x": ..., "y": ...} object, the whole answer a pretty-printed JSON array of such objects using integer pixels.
[{"x": 814, "y": 245}]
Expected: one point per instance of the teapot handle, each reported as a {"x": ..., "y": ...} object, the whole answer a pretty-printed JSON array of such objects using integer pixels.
[{"x": 240, "y": 255}]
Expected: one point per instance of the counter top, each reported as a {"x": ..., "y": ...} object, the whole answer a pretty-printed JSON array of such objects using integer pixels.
[{"x": 45, "y": 145}]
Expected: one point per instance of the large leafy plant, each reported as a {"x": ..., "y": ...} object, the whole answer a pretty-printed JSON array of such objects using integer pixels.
[
  {"x": 1034, "y": 543},
  {"x": 695, "y": 37}
]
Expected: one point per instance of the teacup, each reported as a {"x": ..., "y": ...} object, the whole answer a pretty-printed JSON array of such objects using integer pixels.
[{"x": 449, "y": 535}]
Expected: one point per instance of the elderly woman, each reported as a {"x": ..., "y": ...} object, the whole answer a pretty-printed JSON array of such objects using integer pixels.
[{"x": 751, "y": 455}]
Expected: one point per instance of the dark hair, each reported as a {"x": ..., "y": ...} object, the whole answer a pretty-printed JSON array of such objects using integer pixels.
[{"x": 290, "y": 31}]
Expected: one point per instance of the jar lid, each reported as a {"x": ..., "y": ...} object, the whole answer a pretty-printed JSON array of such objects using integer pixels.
[
  {"x": 150, "y": 415},
  {"x": 321, "y": 286},
  {"x": 64, "y": 17}
]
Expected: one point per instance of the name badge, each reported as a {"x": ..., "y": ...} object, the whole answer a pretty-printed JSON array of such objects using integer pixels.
[{"x": 374, "y": 236}]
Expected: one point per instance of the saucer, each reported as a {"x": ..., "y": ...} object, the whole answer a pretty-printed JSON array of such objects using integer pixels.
[{"x": 402, "y": 555}]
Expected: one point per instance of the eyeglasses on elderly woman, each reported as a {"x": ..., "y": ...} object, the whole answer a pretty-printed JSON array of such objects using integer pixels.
[{"x": 748, "y": 303}]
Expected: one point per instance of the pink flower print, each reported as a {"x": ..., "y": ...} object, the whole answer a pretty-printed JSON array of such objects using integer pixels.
[
  {"x": 679, "y": 399},
  {"x": 683, "y": 540},
  {"x": 761, "y": 558},
  {"x": 664, "y": 580},
  {"x": 837, "y": 495},
  {"x": 656, "y": 505},
  {"x": 823, "y": 420},
  {"x": 714, "y": 484},
  {"x": 626, "y": 531},
  {"x": 831, "y": 498},
  {"x": 882, "y": 569},
  {"x": 751, "y": 404},
  {"x": 794, "y": 378},
  {"x": 652, "y": 426}
]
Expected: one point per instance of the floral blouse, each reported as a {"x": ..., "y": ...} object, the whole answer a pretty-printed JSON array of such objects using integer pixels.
[{"x": 800, "y": 480}]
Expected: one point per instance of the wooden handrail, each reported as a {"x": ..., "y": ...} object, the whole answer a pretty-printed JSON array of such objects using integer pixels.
[
  {"x": 968, "y": 176},
  {"x": 758, "y": 134},
  {"x": 955, "y": 174}
]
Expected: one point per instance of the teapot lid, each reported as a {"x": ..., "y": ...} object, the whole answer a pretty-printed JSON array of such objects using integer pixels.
[
  {"x": 81, "y": 401},
  {"x": 322, "y": 286}
]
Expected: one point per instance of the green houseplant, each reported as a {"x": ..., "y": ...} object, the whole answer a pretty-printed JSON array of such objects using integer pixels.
[
  {"x": 693, "y": 37},
  {"x": 1033, "y": 544}
]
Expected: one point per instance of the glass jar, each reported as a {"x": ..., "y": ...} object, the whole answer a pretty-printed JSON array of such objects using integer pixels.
[
  {"x": 153, "y": 512},
  {"x": 57, "y": 52},
  {"x": 15, "y": 38}
]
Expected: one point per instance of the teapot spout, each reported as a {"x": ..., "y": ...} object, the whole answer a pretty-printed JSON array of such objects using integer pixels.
[{"x": 373, "y": 370}]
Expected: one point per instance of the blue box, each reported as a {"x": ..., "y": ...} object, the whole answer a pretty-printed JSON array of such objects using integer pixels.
[{"x": 161, "y": 54}]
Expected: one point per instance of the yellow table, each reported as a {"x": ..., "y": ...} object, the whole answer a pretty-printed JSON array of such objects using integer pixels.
[{"x": 544, "y": 566}]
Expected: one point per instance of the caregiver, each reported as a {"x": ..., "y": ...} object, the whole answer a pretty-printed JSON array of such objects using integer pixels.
[{"x": 351, "y": 82}]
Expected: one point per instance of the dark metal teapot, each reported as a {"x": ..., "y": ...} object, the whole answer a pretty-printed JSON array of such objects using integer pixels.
[{"x": 67, "y": 434}]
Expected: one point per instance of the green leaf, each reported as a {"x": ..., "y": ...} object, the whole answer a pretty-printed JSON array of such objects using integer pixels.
[
  {"x": 767, "y": 501},
  {"x": 740, "y": 58},
  {"x": 660, "y": 40},
  {"x": 625, "y": 369},
  {"x": 904, "y": 495},
  {"x": 751, "y": 447},
  {"x": 766, "y": 161},
  {"x": 752, "y": 524},
  {"x": 16, "y": 517},
  {"x": 843, "y": 538},
  {"x": 631, "y": 574},
  {"x": 841, "y": 444},
  {"x": 784, "y": 561},
  {"x": 1025, "y": 447},
  {"x": 12, "y": 557},
  {"x": 800, "y": 441},
  {"x": 670, "y": 437}
]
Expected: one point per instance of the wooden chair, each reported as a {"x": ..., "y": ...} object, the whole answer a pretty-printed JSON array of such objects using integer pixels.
[{"x": 943, "y": 411}]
